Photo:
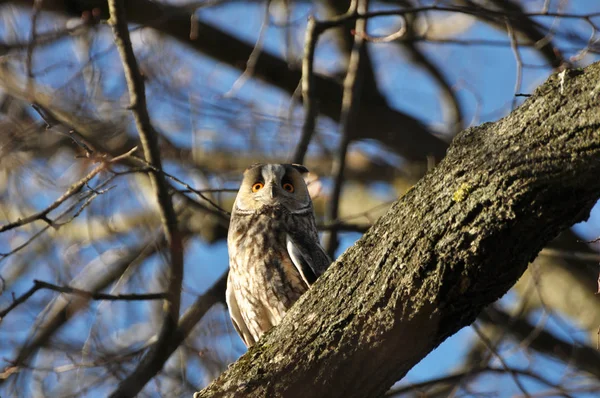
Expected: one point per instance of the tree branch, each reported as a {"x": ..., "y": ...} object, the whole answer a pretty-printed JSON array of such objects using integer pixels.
[
  {"x": 148, "y": 137},
  {"x": 452, "y": 245},
  {"x": 352, "y": 89},
  {"x": 376, "y": 119},
  {"x": 75, "y": 188},
  {"x": 582, "y": 357},
  {"x": 96, "y": 276},
  {"x": 38, "y": 285},
  {"x": 136, "y": 381}
]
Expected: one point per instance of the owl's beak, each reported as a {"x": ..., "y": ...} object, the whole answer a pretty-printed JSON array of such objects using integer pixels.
[{"x": 273, "y": 191}]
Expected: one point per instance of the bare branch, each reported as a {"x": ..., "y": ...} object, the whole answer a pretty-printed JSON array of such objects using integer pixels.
[
  {"x": 87, "y": 198},
  {"x": 148, "y": 137},
  {"x": 37, "y": 285},
  {"x": 350, "y": 100},
  {"x": 582, "y": 357},
  {"x": 143, "y": 373},
  {"x": 308, "y": 90},
  {"x": 506, "y": 368},
  {"x": 75, "y": 188},
  {"x": 455, "y": 378}
]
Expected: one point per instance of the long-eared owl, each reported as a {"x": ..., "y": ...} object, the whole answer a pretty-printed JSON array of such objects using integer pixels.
[{"x": 274, "y": 250}]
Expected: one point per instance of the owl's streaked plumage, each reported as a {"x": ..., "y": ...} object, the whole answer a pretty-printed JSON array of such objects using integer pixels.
[{"x": 274, "y": 250}]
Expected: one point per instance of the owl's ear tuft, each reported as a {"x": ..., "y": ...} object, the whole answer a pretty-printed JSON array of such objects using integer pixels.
[
  {"x": 254, "y": 165},
  {"x": 301, "y": 169}
]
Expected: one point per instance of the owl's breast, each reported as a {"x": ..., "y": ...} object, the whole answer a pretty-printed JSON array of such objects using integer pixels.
[
  {"x": 273, "y": 211},
  {"x": 267, "y": 283}
]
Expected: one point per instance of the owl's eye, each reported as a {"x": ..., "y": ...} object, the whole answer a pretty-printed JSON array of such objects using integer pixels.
[
  {"x": 257, "y": 187},
  {"x": 288, "y": 187}
]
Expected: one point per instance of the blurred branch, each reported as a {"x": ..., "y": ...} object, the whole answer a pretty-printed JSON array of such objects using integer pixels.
[
  {"x": 375, "y": 119},
  {"x": 37, "y": 285},
  {"x": 515, "y": 49},
  {"x": 86, "y": 198},
  {"x": 582, "y": 357},
  {"x": 86, "y": 131},
  {"x": 42, "y": 39},
  {"x": 352, "y": 90},
  {"x": 148, "y": 137},
  {"x": 52, "y": 123},
  {"x": 136, "y": 380},
  {"x": 506, "y": 368},
  {"x": 253, "y": 57},
  {"x": 96, "y": 276},
  {"x": 474, "y": 10},
  {"x": 407, "y": 38},
  {"x": 570, "y": 255},
  {"x": 75, "y": 188},
  {"x": 524, "y": 24},
  {"x": 457, "y": 377},
  {"x": 345, "y": 42},
  {"x": 309, "y": 97},
  {"x": 563, "y": 284}
]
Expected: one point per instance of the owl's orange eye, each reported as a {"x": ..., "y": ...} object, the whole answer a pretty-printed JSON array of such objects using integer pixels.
[
  {"x": 288, "y": 187},
  {"x": 257, "y": 187}
]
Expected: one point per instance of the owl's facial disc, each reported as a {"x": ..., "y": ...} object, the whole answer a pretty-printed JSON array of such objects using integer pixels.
[
  {"x": 272, "y": 191},
  {"x": 271, "y": 185}
]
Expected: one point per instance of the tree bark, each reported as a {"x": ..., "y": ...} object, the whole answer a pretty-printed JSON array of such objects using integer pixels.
[{"x": 453, "y": 244}]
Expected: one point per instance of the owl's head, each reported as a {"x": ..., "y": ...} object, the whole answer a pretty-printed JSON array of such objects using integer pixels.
[{"x": 272, "y": 185}]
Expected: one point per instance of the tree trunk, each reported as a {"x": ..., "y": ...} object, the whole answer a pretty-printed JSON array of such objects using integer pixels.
[{"x": 453, "y": 244}]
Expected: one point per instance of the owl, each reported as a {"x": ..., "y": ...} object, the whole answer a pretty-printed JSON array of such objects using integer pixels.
[{"x": 274, "y": 250}]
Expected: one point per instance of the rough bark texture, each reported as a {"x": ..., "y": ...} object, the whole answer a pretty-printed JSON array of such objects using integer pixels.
[{"x": 453, "y": 244}]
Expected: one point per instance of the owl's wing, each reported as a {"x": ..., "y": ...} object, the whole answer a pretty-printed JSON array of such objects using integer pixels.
[
  {"x": 308, "y": 256},
  {"x": 236, "y": 317}
]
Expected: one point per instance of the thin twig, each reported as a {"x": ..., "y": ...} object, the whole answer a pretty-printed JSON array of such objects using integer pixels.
[
  {"x": 189, "y": 187},
  {"x": 490, "y": 347},
  {"x": 52, "y": 122},
  {"x": 75, "y": 188},
  {"x": 254, "y": 55},
  {"x": 42, "y": 215},
  {"x": 38, "y": 285},
  {"x": 87, "y": 198},
  {"x": 514, "y": 45}
]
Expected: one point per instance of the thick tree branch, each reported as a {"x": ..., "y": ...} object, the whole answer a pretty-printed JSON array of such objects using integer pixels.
[{"x": 451, "y": 246}]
